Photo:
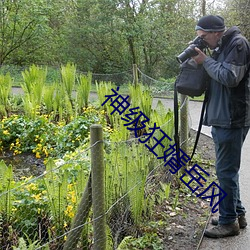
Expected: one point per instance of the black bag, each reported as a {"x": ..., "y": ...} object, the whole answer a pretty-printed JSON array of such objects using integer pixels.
[{"x": 192, "y": 80}]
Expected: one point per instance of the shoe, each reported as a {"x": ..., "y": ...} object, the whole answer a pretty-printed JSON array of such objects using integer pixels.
[
  {"x": 241, "y": 219},
  {"x": 221, "y": 230}
]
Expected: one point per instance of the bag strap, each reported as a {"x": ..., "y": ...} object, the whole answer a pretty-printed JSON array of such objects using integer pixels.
[
  {"x": 200, "y": 125},
  {"x": 176, "y": 122}
]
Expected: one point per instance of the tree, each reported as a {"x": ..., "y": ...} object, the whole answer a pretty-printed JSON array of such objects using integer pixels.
[
  {"x": 21, "y": 21},
  {"x": 102, "y": 36},
  {"x": 237, "y": 13},
  {"x": 108, "y": 36}
]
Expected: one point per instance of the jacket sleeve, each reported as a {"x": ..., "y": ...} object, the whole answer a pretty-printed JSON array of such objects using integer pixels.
[{"x": 232, "y": 69}]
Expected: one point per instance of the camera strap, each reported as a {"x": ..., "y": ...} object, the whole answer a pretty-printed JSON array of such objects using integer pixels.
[{"x": 176, "y": 122}]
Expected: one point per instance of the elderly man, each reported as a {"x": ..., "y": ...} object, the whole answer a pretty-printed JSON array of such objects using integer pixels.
[{"x": 228, "y": 112}]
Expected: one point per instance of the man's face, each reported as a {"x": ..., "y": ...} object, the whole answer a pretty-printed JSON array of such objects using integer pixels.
[{"x": 211, "y": 38}]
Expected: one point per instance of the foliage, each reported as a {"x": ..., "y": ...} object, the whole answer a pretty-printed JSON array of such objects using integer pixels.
[
  {"x": 126, "y": 170},
  {"x": 51, "y": 200},
  {"x": 141, "y": 97},
  {"x": 33, "y": 85},
  {"x": 22, "y": 245},
  {"x": 83, "y": 91},
  {"x": 103, "y": 91},
  {"x": 68, "y": 74},
  {"x": 43, "y": 137},
  {"x": 22, "y": 23},
  {"x": 125, "y": 176},
  {"x": 6, "y": 184},
  {"x": 106, "y": 36},
  {"x": 30, "y": 204},
  {"x": 147, "y": 241},
  {"x": 48, "y": 98},
  {"x": 164, "y": 119},
  {"x": 236, "y": 13},
  {"x": 55, "y": 99},
  {"x": 5, "y": 90}
]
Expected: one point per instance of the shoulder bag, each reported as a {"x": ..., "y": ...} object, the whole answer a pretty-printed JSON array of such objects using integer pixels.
[{"x": 192, "y": 79}]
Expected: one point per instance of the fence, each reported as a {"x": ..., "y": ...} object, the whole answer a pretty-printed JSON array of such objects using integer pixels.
[
  {"x": 64, "y": 207},
  {"x": 43, "y": 206}
]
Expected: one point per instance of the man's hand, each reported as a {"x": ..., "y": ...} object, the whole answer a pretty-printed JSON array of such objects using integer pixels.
[{"x": 200, "y": 58}]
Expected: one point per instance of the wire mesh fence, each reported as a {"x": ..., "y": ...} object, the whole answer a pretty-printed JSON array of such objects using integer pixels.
[{"x": 56, "y": 209}]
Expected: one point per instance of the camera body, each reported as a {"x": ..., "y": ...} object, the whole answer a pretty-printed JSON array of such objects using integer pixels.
[{"x": 190, "y": 51}]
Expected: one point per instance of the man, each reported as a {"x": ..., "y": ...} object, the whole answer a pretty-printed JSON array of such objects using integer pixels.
[{"x": 228, "y": 112}]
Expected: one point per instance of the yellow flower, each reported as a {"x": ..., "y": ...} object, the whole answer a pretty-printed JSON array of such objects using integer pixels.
[
  {"x": 69, "y": 211},
  {"x": 16, "y": 152},
  {"x": 73, "y": 199},
  {"x": 38, "y": 156},
  {"x": 37, "y": 196},
  {"x": 31, "y": 186},
  {"x": 6, "y": 132},
  {"x": 45, "y": 151},
  {"x": 14, "y": 209}
]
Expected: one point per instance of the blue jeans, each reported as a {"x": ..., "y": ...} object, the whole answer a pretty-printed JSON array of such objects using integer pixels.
[{"x": 228, "y": 145}]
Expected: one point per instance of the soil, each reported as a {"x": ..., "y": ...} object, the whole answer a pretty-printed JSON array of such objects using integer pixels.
[
  {"x": 186, "y": 225},
  {"x": 25, "y": 164}
]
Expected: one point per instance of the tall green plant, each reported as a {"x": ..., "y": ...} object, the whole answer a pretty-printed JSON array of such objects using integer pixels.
[
  {"x": 136, "y": 181},
  {"x": 83, "y": 91},
  {"x": 33, "y": 85},
  {"x": 103, "y": 90},
  {"x": 56, "y": 185},
  {"x": 62, "y": 106},
  {"x": 48, "y": 98},
  {"x": 5, "y": 90},
  {"x": 165, "y": 120},
  {"x": 141, "y": 97},
  {"x": 6, "y": 184},
  {"x": 126, "y": 171},
  {"x": 68, "y": 74}
]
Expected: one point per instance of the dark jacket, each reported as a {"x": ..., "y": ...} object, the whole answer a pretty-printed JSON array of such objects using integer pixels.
[{"x": 229, "y": 90}]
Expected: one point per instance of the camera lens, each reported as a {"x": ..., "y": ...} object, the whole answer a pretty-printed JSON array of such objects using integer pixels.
[
  {"x": 187, "y": 53},
  {"x": 190, "y": 51}
]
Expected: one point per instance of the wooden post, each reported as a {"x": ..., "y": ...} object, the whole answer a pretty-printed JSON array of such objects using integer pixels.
[
  {"x": 80, "y": 218},
  {"x": 135, "y": 74},
  {"x": 98, "y": 196}
]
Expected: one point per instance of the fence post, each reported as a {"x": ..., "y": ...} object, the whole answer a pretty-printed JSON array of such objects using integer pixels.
[
  {"x": 80, "y": 218},
  {"x": 135, "y": 74},
  {"x": 98, "y": 195},
  {"x": 184, "y": 128}
]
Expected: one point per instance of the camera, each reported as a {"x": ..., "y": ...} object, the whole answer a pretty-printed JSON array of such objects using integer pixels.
[{"x": 190, "y": 51}]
